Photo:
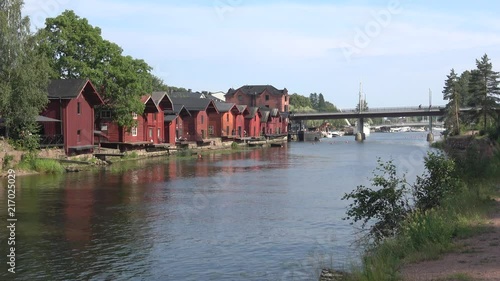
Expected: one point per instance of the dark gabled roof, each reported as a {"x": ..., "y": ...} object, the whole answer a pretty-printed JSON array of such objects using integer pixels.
[
  {"x": 242, "y": 108},
  {"x": 162, "y": 100},
  {"x": 194, "y": 104},
  {"x": 178, "y": 110},
  {"x": 266, "y": 112},
  {"x": 71, "y": 88},
  {"x": 255, "y": 90},
  {"x": 186, "y": 95},
  {"x": 252, "y": 112},
  {"x": 169, "y": 118},
  {"x": 149, "y": 105},
  {"x": 224, "y": 106}
]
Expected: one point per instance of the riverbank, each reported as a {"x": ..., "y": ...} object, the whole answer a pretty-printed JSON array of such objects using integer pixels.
[
  {"x": 458, "y": 239},
  {"x": 55, "y": 161}
]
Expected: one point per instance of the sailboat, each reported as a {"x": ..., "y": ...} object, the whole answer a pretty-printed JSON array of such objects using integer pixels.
[{"x": 362, "y": 102}]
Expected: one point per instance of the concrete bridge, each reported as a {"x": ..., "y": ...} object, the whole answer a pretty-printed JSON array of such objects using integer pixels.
[{"x": 374, "y": 113}]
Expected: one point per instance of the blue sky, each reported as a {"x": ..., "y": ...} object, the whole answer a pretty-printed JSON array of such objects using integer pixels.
[{"x": 398, "y": 49}]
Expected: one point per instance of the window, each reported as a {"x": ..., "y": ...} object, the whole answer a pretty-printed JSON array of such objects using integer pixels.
[
  {"x": 202, "y": 119},
  {"x": 78, "y": 134},
  {"x": 210, "y": 130},
  {"x": 154, "y": 116},
  {"x": 159, "y": 133},
  {"x": 78, "y": 109},
  {"x": 286, "y": 108},
  {"x": 104, "y": 127},
  {"x": 134, "y": 131},
  {"x": 105, "y": 113},
  {"x": 227, "y": 117},
  {"x": 134, "y": 115},
  {"x": 150, "y": 132},
  {"x": 267, "y": 97},
  {"x": 227, "y": 130},
  {"x": 286, "y": 98},
  {"x": 240, "y": 97}
]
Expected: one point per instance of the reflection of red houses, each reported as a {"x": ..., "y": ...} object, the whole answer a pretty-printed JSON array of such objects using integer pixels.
[
  {"x": 79, "y": 202},
  {"x": 71, "y": 101}
]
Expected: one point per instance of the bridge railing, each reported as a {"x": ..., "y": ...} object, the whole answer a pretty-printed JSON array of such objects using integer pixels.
[{"x": 394, "y": 109}]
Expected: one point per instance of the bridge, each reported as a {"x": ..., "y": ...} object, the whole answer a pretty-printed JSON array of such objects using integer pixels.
[{"x": 374, "y": 113}]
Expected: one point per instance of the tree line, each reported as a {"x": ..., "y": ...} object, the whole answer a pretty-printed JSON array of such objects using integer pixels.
[
  {"x": 67, "y": 47},
  {"x": 477, "y": 89}
]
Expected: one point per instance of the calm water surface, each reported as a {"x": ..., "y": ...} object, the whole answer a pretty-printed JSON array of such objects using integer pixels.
[{"x": 263, "y": 214}]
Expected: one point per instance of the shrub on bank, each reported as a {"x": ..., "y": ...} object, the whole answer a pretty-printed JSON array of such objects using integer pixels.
[{"x": 443, "y": 209}]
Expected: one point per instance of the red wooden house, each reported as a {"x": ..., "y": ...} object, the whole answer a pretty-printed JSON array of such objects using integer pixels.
[
  {"x": 71, "y": 101},
  {"x": 198, "y": 127},
  {"x": 144, "y": 133},
  {"x": 174, "y": 128},
  {"x": 239, "y": 123},
  {"x": 252, "y": 122},
  {"x": 227, "y": 117},
  {"x": 164, "y": 103},
  {"x": 272, "y": 122}
]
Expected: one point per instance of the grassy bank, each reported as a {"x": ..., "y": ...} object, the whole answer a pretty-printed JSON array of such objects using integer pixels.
[
  {"x": 47, "y": 166},
  {"x": 427, "y": 233}
]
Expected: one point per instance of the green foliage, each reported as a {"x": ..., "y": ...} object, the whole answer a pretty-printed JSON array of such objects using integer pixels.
[
  {"x": 386, "y": 205},
  {"x": 130, "y": 155},
  {"x": 47, "y": 166},
  {"x": 438, "y": 182},
  {"x": 485, "y": 92},
  {"x": 452, "y": 94},
  {"x": 7, "y": 161},
  {"x": 299, "y": 101},
  {"x": 235, "y": 145},
  {"x": 23, "y": 72},
  {"x": 76, "y": 49},
  {"x": 431, "y": 227}
]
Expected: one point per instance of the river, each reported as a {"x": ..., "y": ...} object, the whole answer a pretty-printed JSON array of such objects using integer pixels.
[{"x": 258, "y": 214}]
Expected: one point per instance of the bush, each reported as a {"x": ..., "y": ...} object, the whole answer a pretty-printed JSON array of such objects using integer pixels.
[
  {"x": 428, "y": 228},
  {"x": 234, "y": 145},
  {"x": 387, "y": 205},
  {"x": 7, "y": 161},
  {"x": 438, "y": 181}
]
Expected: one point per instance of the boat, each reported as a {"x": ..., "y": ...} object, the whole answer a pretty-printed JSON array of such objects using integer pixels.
[
  {"x": 417, "y": 129},
  {"x": 366, "y": 129}
]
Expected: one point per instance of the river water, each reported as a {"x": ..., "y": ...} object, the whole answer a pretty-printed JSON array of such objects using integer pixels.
[{"x": 259, "y": 214}]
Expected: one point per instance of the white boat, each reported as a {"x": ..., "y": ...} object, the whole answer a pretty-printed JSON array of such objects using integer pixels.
[
  {"x": 417, "y": 129},
  {"x": 332, "y": 134}
]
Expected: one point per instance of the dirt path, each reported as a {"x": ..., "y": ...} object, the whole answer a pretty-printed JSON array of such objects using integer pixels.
[{"x": 479, "y": 259}]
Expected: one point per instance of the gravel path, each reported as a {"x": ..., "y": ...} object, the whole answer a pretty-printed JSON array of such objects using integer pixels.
[{"x": 479, "y": 259}]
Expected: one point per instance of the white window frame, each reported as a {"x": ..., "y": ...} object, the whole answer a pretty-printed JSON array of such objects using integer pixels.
[
  {"x": 133, "y": 131},
  {"x": 134, "y": 115}
]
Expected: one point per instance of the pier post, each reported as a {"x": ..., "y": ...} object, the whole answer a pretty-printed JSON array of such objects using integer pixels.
[
  {"x": 430, "y": 137},
  {"x": 360, "y": 136}
]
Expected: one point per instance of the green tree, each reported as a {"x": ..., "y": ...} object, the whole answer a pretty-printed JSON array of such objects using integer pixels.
[
  {"x": 485, "y": 92},
  {"x": 76, "y": 49},
  {"x": 452, "y": 94},
  {"x": 23, "y": 74},
  {"x": 297, "y": 101},
  {"x": 313, "y": 97},
  {"x": 321, "y": 103}
]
